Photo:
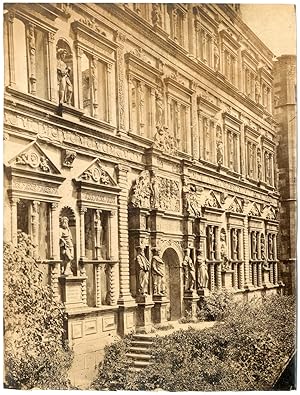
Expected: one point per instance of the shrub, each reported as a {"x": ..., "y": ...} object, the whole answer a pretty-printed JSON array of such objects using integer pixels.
[
  {"x": 245, "y": 352},
  {"x": 216, "y": 306},
  {"x": 34, "y": 351}
]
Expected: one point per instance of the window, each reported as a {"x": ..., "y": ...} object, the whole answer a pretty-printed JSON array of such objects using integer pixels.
[
  {"x": 176, "y": 26},
  {"x": 233, "y": 150},
  {"x": 178, "y": 123},
  {"x": 41, "y": 65},
  {"x": 21, "y": 69},
  {"x": 96, "y": 234}
]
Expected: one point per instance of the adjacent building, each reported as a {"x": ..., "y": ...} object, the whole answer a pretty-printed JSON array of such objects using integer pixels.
[
  {"x": 285, "y": 113},
  {"x": 140, "y": 155}
]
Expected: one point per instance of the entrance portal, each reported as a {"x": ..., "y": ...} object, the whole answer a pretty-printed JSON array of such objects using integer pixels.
[{"x": 173, "y": 283}]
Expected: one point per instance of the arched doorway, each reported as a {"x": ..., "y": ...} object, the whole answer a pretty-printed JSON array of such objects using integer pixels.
[{"x": 173, "y": 283}]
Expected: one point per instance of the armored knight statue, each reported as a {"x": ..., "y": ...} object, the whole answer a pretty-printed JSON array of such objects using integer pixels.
[
  {"x": 158, "y": 273},
  {"x": 144, "y": 266}
]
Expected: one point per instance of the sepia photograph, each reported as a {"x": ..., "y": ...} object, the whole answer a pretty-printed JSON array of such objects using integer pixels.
[{"x": 149, "y": 196}]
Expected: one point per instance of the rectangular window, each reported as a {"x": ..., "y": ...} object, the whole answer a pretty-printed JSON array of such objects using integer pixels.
[{"x": 41, "y": 65}]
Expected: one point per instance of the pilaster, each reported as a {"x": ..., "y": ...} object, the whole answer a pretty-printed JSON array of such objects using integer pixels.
[
  {"x": 14, "y": 224},
  {"x": 121, "y": 38},
  {"x": 52, "y": 66},
  {"x": 11, "y": 49}
]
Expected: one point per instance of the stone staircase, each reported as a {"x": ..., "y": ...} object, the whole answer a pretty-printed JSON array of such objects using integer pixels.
[{"x": 139, "y": 352}]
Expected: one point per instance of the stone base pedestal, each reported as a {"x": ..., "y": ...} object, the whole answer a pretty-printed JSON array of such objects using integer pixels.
[
  {"x": 144, "y": 314},
  {"x": 159, "y": 311},
  {"x": 227, "y": 279},
  {"x": 190, "y": 300},
  {"x": 71, "y": 291},
  {"x": 126, "y": 317},
  {"x": 266, "y": 277}
]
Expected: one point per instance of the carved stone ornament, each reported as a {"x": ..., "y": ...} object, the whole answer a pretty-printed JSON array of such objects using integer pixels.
[
  {"x": 65, "y": 86},
  {"x": 168, "y": 198},
  {"x": 212, "y": 201},
  {"x": 95, "y": 173},
  {"x": 68, "y": 158},
  {"x": 225, "y": 264},
  {"x": 156, "y": 14},
  {"x": 191, "y": 199},
  {"x": 34, "y": 158},
  {"x": 236, "y": 207},
  {"x": 255, "y": 212},
  {"x": 91, "y": 23},
  {"x": 164, "y": 141},
  {"x": 271, "y": 213},
  {"x": 141, "y": 191}
]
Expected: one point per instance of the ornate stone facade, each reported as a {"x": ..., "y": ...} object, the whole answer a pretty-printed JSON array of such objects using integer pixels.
[{"x": 170, "y": 191}]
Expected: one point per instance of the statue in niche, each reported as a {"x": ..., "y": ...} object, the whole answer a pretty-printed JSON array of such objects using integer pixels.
[
  {"x": 202, "y": 271},
  {"x": 270, "y": 247},
  {"x": 189, "y": 271},
  {"x": 235, "y": 240},
  {"x": 220, "y": 153},
  {"x": 144, "y": 266},
  {"x": 262, "y": 248},
  {"x": 156, "y": 14},
  {"x": 66, "y": 246},
  {"x": 65, "y": 87},
  {"x": 257, "y": 90},
  {"x": 268, "y": 168},
  {"x": 191, "y": 200},
  {"x": 159, "y": 109},
  {"x": 230, "y": 136},
  {"x": 259, "y": 172},
  {"x": 154, "y": 186},
  {"x": 216, "y": 55},
  {"x": 211, "y": 242},
  {"x": 254, "y": 245},
  {"x": 158, "y": 273},
  {"x": 225, "y": 265}
]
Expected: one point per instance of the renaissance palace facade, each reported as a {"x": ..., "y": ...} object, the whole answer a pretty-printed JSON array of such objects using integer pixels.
[{"x": 140, "y": 156}]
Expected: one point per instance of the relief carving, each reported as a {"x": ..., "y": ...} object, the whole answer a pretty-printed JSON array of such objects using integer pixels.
[
  {"x": 91, "y": 23},
  {"x": 225, "y": 264},
  {"x": 32, "y": 58},
  {"x": 164, "y": 141},
  {"x": 97, "y": 174},
  {"x": 169, "y": 194},
  {"x": 156, "y": 14},
  {"x": 211, "y": 201},
  {"x": 191, "y": 199},
  {"x": 235, "y": 207},
  {"x": 33, "y": 160},
  {"x": 66, "y": 246},
  {"x": 220, "y": 149},
  {"x": 141, "y": 191},
  {"x": 68, "y": 158}
]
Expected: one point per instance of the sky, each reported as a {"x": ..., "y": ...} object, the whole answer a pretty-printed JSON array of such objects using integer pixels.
[{"x": 274, "y": 24}]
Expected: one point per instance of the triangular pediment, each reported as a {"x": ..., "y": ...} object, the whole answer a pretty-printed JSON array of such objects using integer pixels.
[
  {"x": 255, "y": 210},
  {"x": 212, "y": 201},
  {"x": 32, "y": 158},
  {"x": 236, "y": 206},
  {"x": 270, "y": 213},
  {"x": 96, "y": 174}
]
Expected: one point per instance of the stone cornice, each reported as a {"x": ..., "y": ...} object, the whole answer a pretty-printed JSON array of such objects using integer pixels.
[{"x": 227, "y": 38}]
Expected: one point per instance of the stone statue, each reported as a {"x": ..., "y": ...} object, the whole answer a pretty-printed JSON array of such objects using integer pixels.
[
  {"x": 254, "y": 245},
  {"x": 32, "y": 57},
  {"x": 270, "y": 247},
  {"x": 156, "y": 14},
  {"x": 202, "y": 271},
  {"x": 142, "y": 191},
  {"x": 235, "y": 244},
  {"x": 66, "y": 246},
  {"x": 191, "y": 200},
  {"x": 189, "y": 271},
  {"x": 216, "y": 55},
  {"x": 158, "y": 273},
  {"x": 257, "y": 90},
  {"x": 144, "y": 267},
  {"x": 220, "y": 153},
  {"x": 211, "y": 242},
  {"x": 154, "y": 186},
  {"x": 223, "y": 252},
  {"x": 159, "y": 109},
  {"x": 65, "y": 87},
  {"x": 259, "y": 173}
]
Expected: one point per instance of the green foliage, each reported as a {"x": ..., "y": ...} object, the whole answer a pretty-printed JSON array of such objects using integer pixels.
[
  {"x": 245, "y": 352},
  {"x": 216, "y": 306},
  {"x": 34, "y": 352}
]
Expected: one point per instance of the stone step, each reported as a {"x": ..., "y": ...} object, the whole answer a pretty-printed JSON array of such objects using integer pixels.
[
  {"x": 138, "y": 357},
  {"x": 144, "y": 337},
  {"x": 138, "y": 350},
  {"x": 140, "y": 364},
  {"x": 141, "y": 343}
]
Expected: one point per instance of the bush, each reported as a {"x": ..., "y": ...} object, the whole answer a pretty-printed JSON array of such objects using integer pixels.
[
  {"x": 216, "y": 306},
  {"x": 245, "y": 352},
  {"x": 34, "y": 352}
]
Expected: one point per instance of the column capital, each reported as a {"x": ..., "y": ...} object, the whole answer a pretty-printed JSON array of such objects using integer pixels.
[
  {"x": 120, "y": 168},
  {"x": 14, "y": 201}
]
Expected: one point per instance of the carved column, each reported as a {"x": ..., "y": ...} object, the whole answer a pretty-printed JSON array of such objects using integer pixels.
[
  {"x": 200, "y": 134},
  {"x": 98, "y": 231},
  {"x": 123, "y": 234},
  {"x": 259, "y": 274},
  {"x": 141, "y": 103},
  {"x": 55, "y": 231},
  {"x": 218, "y": 276},
  {"x": 121, "y": 38},
  {"x": 14, "y": 219},
  {"x": 30, "y": 34},
  {"x": 254, "y": 265},
  {"x": 130, "y": 89},
  {"x": 52, "y": 89},
  {"x": 79, "y": 54},
  {"x": 241, "y": 272},
  {"x": 194, "y": 129},
  {"x": 188, "y": 130},
  {"x": 191, "y": 31},
  {"x": 246, "y": 250},
  {"x": 217, "y": 243},
  {"x": 94, "y": 86},
  {"x": 212, "y": 276},
  {"x": 113, "y": 272},
  {"x": 11, "y": 52},
  {"x": 152, "y": 114},
  {"x": 108, "y": 92},
  {"x": 35, "y": 223},
  {"x": 82, "y": 211},
  {"x": 98, "y": 284}
]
